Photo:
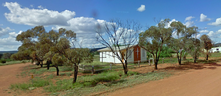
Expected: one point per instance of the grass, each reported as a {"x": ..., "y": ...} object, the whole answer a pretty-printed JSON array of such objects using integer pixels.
[
  {"x": 88, "y": 84},
  {"x": 37, "y": 82},
  {"x": 120, "y": 83},
  {"x": 8, "y": 62}
]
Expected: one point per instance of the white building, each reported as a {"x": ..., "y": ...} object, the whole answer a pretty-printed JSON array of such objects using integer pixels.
[
  {"x": 215, "y": 49},
  {"x": 138, "y": 54}
]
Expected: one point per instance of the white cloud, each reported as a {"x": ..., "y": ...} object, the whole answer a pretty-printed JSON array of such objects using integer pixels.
[
  {"x": 36, "y": 17},
  {"x": 216, "y": 23},
  {"x": 189, "y": 18},
  {"x": 204, "y": 31},
  {"x": 40, "y": 7},
  {"x": 168, "y": 24},
  {"x": 211, "y": 34},
  {"x": 9, "y": 43},
  {"x": 216, "y": 34},
  {"x": 198, "y": 36},
  {"x": 4, "y": 31},
  {"x": 188, "y": 21},
  {"x": 204, "y": 18},
  {"x": 141, "y": 8},
  {"x": 85, "y": 29}
]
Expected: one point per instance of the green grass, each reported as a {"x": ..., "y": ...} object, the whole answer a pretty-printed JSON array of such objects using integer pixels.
[
  {"x": 37, "y": 82},
  {"x": 12, "y": 62},
  {"x": 106, "y": 81},
  {"x": 85, "y": 85},
  {"x": 114, "y": 85},
  {"x": 215, "y": 55}
]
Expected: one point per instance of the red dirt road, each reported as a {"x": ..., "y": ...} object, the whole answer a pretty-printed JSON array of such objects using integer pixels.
[
  {"x": 8, "y": 76},
  {"x": 201, "y": 82}
]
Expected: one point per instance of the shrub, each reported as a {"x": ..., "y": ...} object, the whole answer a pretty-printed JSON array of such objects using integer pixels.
[
  {"x": 3, "y": 61},
  {"x": 23, "y": 61}
]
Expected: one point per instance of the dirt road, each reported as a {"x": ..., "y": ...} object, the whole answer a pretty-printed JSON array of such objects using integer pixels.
[
  {"x": 9, "y": 75},
  {"x": 201, "y": 82}
]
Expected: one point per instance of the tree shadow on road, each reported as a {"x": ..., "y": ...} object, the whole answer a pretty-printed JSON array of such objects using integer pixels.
[{"x": 201, "y": 64}]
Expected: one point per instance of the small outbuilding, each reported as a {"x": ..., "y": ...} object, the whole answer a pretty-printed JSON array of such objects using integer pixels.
[{"x": 138, "y": 54}]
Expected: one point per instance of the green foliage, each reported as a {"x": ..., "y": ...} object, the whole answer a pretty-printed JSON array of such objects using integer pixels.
[
  {"x": 3, "y": 61},
  {"x": 6, "y": 55},
  {"x": 166, "y": 52},
  {"x": 153, "y": 39}
]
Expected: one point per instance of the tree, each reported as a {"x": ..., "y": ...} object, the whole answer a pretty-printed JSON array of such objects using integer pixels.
[
  {"x": 194, "y": 48},
  {"x": 206, "y": 44},
  {"x": 116, "y": 33},
  {"x": 155, "y": 38},
  {"x": 179, "y": 41},
  {"x": 6, "y": 55},
  {"x": 30, "y": 42}
]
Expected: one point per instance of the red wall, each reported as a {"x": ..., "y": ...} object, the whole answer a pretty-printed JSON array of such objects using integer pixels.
[{"x": 137, "y": 58}]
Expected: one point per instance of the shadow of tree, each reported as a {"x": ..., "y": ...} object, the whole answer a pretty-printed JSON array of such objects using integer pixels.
[{"x": 201, "y": 64}]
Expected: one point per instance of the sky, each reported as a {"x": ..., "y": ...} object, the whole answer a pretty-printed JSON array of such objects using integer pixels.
[{"x": 81, "y": 16}]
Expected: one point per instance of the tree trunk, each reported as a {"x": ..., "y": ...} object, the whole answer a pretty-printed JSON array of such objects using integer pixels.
[
  {"x": 57, "y": 70},
  {"x": 179, "y": 59},
  {"x": 41, "y": 65},
  {"x": 207, "y": 56},
  {"x": 48, "y": 64},
  {"x": 155, "y": 63},
  {"x": 75, "y": 73},
  {"x": 195, "y": 60},
  {"x": 125, "y": 68}
]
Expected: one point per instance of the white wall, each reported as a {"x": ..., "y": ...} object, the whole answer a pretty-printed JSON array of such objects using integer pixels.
[
  {"x": 108, "y": 57},
  {"x": 143, "y": 55},
  {"x": 132, "y": 55},
  {"x": 113, "y": 59},
  {"x": 214, "y": 49}
]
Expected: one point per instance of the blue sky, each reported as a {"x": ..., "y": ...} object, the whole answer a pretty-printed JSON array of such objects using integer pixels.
[{"x": 81, "y": 16}]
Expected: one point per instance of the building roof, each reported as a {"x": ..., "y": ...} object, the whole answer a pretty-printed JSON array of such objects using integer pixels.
[{"x": 120, "y": 47}]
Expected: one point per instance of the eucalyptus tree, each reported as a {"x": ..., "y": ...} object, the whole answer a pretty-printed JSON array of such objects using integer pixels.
[
  {"x": 154, "y": 38},
  {"x": 29, "y": 40},
  {"x": 116, "y": 33},
  {"x": 178, "y": 43},
  {"x": 206, "y": 44},
  {"x": 194, "y": 48}
]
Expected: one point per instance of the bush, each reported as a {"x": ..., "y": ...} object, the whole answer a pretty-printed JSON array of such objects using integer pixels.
[
  {"x": 3, "y": 61},
  {"x": 23, "y": 61}
]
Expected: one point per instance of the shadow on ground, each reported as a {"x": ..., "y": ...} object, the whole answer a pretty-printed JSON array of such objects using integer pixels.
[{"x": 201, "y": 64}]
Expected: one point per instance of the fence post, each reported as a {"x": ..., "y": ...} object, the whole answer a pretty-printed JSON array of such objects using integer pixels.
[
  {"x": 110, "y": 66},
  {"x": 92, "y": 70}
]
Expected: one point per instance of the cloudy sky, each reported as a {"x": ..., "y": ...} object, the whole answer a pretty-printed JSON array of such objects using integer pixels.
[{"x": 81, "y": 16}]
